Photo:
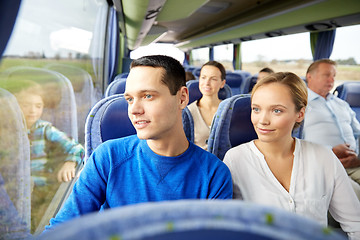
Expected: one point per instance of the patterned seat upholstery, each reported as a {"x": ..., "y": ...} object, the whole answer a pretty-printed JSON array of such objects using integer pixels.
[
  {"x": 15, "y": 185},
  {"x": 232, "y": 125},
  {"x": 234, "y": 80},
  {"x": 108, "y": 119},
  {"x": 116, "y": 87},
  {"x": 192, "y": 219}
]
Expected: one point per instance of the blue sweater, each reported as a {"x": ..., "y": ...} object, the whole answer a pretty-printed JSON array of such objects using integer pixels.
[{"x": 126, "y": 171}]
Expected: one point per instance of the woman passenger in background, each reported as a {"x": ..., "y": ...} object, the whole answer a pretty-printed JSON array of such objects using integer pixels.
[
  {"x": 281, "y": 171},
  {"x": 211, "y": 80}
]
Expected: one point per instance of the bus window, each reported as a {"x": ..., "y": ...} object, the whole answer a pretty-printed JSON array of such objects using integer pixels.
[
  {"x": 224, "y": 54},
  {"x": 55, "y": 53},
  {"x": 200, "y": 56}
]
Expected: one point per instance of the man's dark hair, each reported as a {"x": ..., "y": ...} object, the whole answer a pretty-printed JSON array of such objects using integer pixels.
[
  {"x": 267, "y": 70},
  {"x": 174, "y": 76},
  {"x": 219, "y": 66}
]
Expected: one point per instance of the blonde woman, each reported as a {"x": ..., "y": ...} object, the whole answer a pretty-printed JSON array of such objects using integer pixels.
[{"x": 281, "y": 171}]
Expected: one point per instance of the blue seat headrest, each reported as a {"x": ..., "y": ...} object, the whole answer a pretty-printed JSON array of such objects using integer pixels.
[
  {"x": 241, "y": 128},
  {"x": 115, "y": 122}
]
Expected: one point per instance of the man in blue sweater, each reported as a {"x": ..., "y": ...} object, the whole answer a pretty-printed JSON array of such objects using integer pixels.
[{"x": 157, "y": 164}]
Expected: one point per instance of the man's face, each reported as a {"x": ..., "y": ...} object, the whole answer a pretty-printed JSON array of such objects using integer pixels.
[
  {"x": 32, "y": 107},
  {"x": 154, "y": 112},
  {"x": 321, "y": 81}
]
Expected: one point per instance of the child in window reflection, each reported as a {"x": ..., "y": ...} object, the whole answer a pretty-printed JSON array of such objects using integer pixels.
[{"x": 49, "y": 147}]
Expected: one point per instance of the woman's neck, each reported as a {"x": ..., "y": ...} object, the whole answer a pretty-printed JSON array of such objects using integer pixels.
[
  {"x": 280, "y": 149},
  {"x": 209, "y": 102}
]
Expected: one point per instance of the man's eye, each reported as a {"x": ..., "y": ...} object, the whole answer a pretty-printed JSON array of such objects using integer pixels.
[
  {"x": 277, "y": 111},
  {"x": 255, "y": 109},
  {"x": 148, "y": 96},
  {"x": 129, "y": 100}
]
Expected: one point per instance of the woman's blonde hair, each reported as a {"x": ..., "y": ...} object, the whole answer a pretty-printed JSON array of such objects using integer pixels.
[{"x": 295, "y": 84}]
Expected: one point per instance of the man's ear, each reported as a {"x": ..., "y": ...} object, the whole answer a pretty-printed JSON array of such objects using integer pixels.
[{"x": 183, "y": 97}]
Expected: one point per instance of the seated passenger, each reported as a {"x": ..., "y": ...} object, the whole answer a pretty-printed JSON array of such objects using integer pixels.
[
  {"x": 44, "y": 140},
  {"x": 264, "y": 73},
  {"x": 326, "y": 111},
  {"x": 281, "y": 171},
  {"x": 211, "y": 80},
  {"x": 158, "y": 163}
]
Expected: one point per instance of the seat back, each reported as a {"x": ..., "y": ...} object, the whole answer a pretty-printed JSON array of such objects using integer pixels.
[
  {"x": 14, "y": 156},
  {"x": 196, "y": 72},
  {"x": 245, "y": 74},
  {"x": 195, "y": 94},
  {"x": 116, "y": 87},
  {"x": 84, "y": 92},
  {"x": 350, "y": 92},
  {"x": 232, "y": 125},
  {"x": 60, "y": 105},
  {"x": 11, "y": 224},
  {"x": 193, "y": 219},
  {"x": 108, "y": 119},
  {"x": 234, "y": 80},
  {"x": 188, "y": 124},
  {"x": 248, "y": 84}
]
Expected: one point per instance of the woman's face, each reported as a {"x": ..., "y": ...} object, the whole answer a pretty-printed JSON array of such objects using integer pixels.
[
  {"x": 273, "y": 112},
  {"x": 210, "y": 80}
]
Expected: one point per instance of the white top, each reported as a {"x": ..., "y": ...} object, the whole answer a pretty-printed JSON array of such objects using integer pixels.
[
  {"x": 318, "y": 183},
  {"x": 201, "y": 129},
  {"x": 330, "y": 121}
]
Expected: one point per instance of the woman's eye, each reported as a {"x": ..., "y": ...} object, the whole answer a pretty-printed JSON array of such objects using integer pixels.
[
  {"x": 255, "y": 109},
  {"x": 277, "y": 111}
]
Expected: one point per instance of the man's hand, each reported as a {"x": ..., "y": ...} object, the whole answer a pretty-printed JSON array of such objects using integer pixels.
[
  {"x": 67, "y": 172},
  {"x": 346, "y": 155}
]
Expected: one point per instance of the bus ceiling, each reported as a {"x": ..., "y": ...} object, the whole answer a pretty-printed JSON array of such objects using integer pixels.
[{"x": 199, "y": 23}]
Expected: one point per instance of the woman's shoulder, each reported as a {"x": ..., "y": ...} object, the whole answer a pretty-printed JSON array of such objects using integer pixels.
[
  {"x": 306, "y": 145},
  {"x": 310, "y": 151},
  {"x": 240, "y": 150}
]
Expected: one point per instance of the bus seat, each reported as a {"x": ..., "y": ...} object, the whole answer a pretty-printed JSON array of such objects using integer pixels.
[
  {"x": 234, "y": 80},
  {"x": 122, "y": 75},
  {"x": 248, "y": 84},
  {"x": 195, "y": 94},
  {"x": 350, "y": 92},
  {"x": 84, "y": 92},
  {"x": 60, "y": 105},
  {"x": 188, "y": 124},
  {"x": 245, "y": 74},
  {"x": 189, "y": 68},
  {"x": 232, "y": 125},
  {"x": 117, "y": 86},
  {"x": 11, "y": 224},
  {"x": 108, "y": 119},
  {"x": 15, "y": 157},
  {"x": 196, "y": 72},
  {"x": 193, "y": 219}
]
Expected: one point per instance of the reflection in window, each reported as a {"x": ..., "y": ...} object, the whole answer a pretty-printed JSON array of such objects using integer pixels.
[{"x": 60, "y": 48}]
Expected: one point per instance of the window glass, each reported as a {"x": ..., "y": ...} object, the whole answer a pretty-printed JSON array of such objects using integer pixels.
[
  {"x": 52, "y": 73},
  {"x": 200, "y": 56},
  {"x": 224, "y": 55}
]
